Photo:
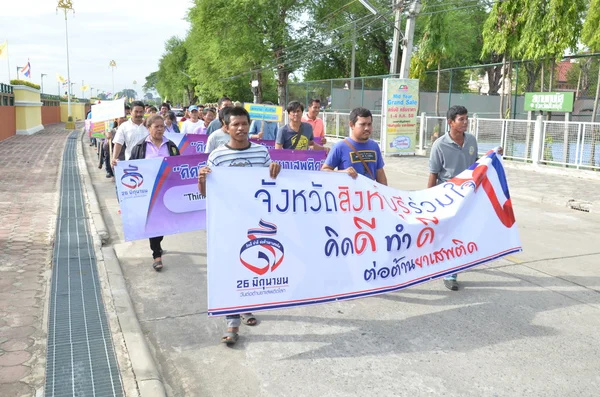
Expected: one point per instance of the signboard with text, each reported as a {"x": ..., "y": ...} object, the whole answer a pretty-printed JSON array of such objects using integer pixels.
[
  {"x": 264, "y": 112},
  {"x": 549, "y": 101},
  {"x": 399, "y": 124}
]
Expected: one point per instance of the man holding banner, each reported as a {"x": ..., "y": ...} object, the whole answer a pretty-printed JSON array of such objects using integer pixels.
[
  {"x": 451, "y": 154},
  {"x": 358, "y": 154},
  {"x": 238, "y": 152}
]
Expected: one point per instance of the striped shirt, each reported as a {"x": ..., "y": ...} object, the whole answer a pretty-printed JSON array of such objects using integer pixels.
[{"x": 253, "y": 156}]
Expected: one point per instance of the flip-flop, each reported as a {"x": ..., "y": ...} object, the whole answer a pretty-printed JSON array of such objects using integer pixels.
[
  {"x": 230, "y": 338},
  {"x": 158, "y": 265},
  {"x": 250, "y": 320}
]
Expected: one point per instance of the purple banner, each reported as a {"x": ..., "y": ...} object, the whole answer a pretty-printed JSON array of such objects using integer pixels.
[{"x": 160, "y": 196}]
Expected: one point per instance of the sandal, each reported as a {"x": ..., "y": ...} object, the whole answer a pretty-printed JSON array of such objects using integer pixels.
[
  {"x": 230, "y": 338},
  {"x": 157, "y": 265},
  {"x": 250, "y": 320}
]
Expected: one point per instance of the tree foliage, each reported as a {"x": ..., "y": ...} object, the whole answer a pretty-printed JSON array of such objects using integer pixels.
[
  {"x": 590, "y": 34},
  {"x": 232, "y": 42},
  {"x": 172, "y": 80}
]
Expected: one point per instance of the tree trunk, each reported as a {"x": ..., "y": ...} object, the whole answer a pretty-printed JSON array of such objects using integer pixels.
[
  {"x": 533, "y": 70},
  {"x": 503, "y": 79},
  {"x": 494, "y": 77},
  {"x": 542, "y": 80},
  {"x": 509, "y": 95},
  {"x": 578, "y": 84},
  {"x": 282, "y": 79},
  {"x": 550, "y": 86},
  {"x": 437, "y": 89}
]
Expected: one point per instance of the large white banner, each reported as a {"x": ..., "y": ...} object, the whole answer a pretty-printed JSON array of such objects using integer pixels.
[
  {"x": 312, "y": 237},
  {"x": 108, "y": 110}
]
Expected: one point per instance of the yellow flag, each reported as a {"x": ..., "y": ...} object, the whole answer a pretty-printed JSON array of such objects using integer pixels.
[
  {"x": 85, "y": 88},
  {"x": 60, "y": 78},
  {"x": 4, "y": 50},
  {"x": 116, "y": 96}
]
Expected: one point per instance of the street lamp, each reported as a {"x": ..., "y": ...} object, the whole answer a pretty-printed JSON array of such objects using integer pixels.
[
  {"x": 43, "y": 74},
  {"x": 134, "y": 89},
  {"x": 67, "y": 5},
  {"x": 112, "y": 64},
  {"x": 91, "y": 92}
]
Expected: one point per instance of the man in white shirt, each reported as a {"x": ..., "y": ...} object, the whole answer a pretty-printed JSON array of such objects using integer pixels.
[
  {"x": 194, "y": 122},
  {"x": 130, "y": 133}
]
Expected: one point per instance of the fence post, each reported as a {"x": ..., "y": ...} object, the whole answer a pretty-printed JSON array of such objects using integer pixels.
[
  {"x": 566, "y": 140},
  {"x": 473, "y": 125},
  {"x": 324, "y": 118},
  {"x": 577, "y": 151},
  {"x": 503, "y": 134},
  {"x": 538, "y": 141},
  {"x": 337, "y": 125},
  {"x": 422, "y": 131}
]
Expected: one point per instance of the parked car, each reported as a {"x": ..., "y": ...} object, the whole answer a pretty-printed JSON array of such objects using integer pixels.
[{"x": 178, "y": 113}]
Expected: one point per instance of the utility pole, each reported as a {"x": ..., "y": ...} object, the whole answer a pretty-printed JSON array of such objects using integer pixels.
[
  {"x": 352, "y": 67},
  {"x": 397, "y": 7},
  {"x": 409, "y": 34},
  {"x": 67, "y": 6}
]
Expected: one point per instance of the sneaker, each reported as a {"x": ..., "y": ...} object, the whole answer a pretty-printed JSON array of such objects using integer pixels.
[{"x": 452, "y": 285}]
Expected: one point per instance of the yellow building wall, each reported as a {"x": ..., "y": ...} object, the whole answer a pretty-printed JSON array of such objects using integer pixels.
[
  {"x": 24, "y": 94},
  {"x": 77, "y": 111},
  {"x": 28, "y": 110},
  {"x": 28, "y": 117}
]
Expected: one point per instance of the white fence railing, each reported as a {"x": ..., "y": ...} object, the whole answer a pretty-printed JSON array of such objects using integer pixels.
[
  {"x": 566, "y": 143},
  {"x": 337, "y": 125}
]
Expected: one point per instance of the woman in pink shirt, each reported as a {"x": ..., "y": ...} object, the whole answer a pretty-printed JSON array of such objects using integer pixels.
[{"x": 155, "y": 145}]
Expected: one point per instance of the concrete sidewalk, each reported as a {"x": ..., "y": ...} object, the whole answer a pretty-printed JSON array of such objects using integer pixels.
[{"x": 522, "y": 326}]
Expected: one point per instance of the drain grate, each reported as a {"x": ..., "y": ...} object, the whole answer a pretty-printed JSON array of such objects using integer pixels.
[{"x": 81, "y": 359}]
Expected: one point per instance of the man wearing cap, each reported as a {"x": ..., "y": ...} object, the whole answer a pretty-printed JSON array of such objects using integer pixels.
[{"x": 194, "y": 121}]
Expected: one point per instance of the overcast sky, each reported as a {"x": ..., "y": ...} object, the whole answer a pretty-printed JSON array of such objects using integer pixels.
[{"x": 132, "y": 33}]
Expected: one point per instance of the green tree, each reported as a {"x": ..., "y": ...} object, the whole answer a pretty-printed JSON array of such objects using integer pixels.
[
  {"x": 236, "y": 41},
  {"x": 127, "y": 93},
  {"x": 337, "y": 25},
  {"x": 173, "y": 81},
  {"x": 151, "y": 81}
]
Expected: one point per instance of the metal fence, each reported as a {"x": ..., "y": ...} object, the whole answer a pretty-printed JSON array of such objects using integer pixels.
[
  {"x": 565, "y": 143},
  {"x": 573, "y": 144},
  {"x": 336, "y": 125},
  {"x": 7, "y": 97},
  {"x": 499, "y": 96}
]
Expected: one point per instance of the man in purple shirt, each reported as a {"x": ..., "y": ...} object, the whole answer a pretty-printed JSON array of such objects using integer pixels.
[{"x": 358, "y": 154}]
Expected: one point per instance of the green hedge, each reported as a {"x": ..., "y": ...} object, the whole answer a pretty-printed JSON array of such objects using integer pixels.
[{"x": 25, "y": 82}]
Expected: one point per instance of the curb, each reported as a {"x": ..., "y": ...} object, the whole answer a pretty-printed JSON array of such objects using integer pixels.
[
  {"x": 146, "y": 372},
  {"x": 143, "y": 366},
  {"x": 94, "y": 206}
]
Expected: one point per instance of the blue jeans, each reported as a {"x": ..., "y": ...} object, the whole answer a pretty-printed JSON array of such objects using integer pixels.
[{"x": 451, "y": 277}]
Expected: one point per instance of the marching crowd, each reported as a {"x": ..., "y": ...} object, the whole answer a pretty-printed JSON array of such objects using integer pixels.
[{"x": 140, "y": 134}]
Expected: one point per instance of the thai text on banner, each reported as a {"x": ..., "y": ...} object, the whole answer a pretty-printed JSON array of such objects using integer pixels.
[{"x": 316, "y": 237}]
